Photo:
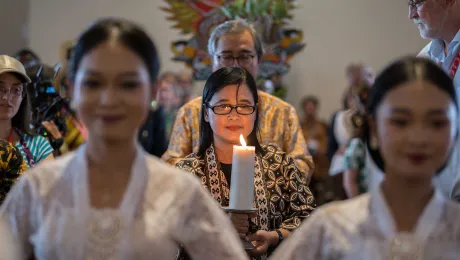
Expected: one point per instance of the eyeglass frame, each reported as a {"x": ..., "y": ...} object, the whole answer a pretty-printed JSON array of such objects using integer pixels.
[
  {"x": 232, "y": 107},
  {"x": 10, "y": 94},
  {"x": 413, "y": 4},
  {"x": 250, "y": 56}
]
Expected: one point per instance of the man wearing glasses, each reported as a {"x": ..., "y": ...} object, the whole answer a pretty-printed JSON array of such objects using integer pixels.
[
  {"x": 439, "y": 20},
  {"x": 235, "y": 43}
]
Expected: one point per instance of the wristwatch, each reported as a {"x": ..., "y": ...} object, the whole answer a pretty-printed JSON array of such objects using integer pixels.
[{"x": 280, "y": 236}]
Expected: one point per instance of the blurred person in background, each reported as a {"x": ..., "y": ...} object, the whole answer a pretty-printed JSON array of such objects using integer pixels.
[
  {"x": 15, "y": 113},
  {"x": 185, "y": 86},
  {"x": 354, "y": 176},
  {"x": 439, "y": 21},
  {"x": 168, "y": 100},
  {"x": 27, "y": 57},
  {"x": 278, "y": 89},
  {"x": 315, "y": 132},
  {"x": 341, "y": 129}
]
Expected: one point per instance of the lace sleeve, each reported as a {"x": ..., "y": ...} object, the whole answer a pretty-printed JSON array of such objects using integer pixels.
[
  {"x": 306, "y": 242},
  {"x": 15, "y": 220},
  {"x": 205, "y": 232}
]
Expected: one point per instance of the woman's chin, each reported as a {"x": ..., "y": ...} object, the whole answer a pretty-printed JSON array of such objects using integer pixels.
[{"x": 5, "y": 116}]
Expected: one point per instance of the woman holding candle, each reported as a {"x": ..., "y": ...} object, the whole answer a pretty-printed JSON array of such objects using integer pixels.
[
  {"x": 282, "y": 197},
  {"x": 109, "y": 199},
  {"x": 414, "y": 112}
]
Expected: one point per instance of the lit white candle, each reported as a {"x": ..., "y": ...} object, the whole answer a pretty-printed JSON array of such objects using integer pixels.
[{"x": 242, "y": 184}]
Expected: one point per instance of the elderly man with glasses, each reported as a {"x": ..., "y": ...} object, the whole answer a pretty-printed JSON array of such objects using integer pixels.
[
  {"x": 439, "y": 20},
  {"x": 235, "y": 43}
]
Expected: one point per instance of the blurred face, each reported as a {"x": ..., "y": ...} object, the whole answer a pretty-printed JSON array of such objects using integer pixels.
[
  {"x": 415, "y": 126},
  {"x": 310, "y": 109},
  {"x": 359, "y": 74},
  {"x": 111, "y": 92},
  {"x": 185, "y": 79},
  {"x": 165, "y": 95},
  {"x": 11, "y": 93},
  {"x": 354, "y": 75},
  {"x": 170, "y": 78},
  {"x": 228, "y": 128},
  {"x": 232, "y": 46},
  {"x": 430, "y": 17}
]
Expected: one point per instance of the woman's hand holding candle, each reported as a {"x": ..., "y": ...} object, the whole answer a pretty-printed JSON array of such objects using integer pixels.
[
  {"x": 261, "y": 240},
  {"x": 241, "y": 223}
]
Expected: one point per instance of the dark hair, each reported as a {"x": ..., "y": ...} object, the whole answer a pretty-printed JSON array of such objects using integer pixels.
[
  {"x": 218, "y": 80},
  {"x": 129, "y": 34},
  {"x": 310, "y": 99},
  {"x": 24, "y": 52},
  {"x": 403, "y": 71}
]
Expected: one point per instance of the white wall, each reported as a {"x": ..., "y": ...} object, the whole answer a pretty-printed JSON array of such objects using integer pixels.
[
  {"x": 336, "y": 31},
  {"x": 13, "y": 25}
]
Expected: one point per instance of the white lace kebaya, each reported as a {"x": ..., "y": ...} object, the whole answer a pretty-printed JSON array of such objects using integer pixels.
[
  {"x": 49, "y": 215},
  {"x": 363, "y": 228}
]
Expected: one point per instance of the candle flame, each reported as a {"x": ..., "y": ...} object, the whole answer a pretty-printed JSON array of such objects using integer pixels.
[{"x": 243, "y": 143}]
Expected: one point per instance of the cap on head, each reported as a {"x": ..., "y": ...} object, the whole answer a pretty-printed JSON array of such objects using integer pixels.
[{"x": 11, "y": 65}]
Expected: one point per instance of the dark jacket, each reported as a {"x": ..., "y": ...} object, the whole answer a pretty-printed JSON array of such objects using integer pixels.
[{"x": 152, "y": 135}]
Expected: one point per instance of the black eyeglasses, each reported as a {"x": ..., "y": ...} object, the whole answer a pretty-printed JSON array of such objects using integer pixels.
[
  {"x": 226, "y": 109},
  {"x": 229, "y": 60},
  {"x": 415, "y": 3}
]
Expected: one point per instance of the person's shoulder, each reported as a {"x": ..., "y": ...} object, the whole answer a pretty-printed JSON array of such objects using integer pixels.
[
  {"x": 348, "y": 211},
  {"x": 449, "y": 216},
  {"x": 45, "y": 174},
  {"x": 450, "y": 205},
  {"x": 425, "y": 52},
  {"x": 190, "y": 109},
  {"x": 194, "y": 103},
  {"x": 189, "y": 159},
  {"x": 270, "y": 100},
  {"x": 164, "y": 172}
]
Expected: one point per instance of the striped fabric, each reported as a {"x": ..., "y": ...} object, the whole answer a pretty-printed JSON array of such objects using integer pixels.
[{"x": 38, "y": 146}]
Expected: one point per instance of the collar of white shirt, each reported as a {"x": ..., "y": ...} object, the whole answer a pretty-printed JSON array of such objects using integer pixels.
[
  {"x": 425, "y": 225},
  {"x": 437, "y": 48}
]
